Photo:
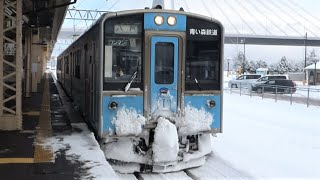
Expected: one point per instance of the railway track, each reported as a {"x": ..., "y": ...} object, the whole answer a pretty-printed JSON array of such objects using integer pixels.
[{"x": 215, "y": 168}]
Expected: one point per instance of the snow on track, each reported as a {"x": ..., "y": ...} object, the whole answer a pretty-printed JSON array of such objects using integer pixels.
[
  {"x": 216, "y": 168},
  {"x": 165, "y": 176},
  {"x": 126, "y": 176}
]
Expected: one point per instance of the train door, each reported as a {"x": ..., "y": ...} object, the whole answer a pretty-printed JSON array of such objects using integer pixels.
[
  {"x": 62, "y": 70},
  {"x": 92, "y": 85},
  {"x": 164, "y": 73},
  {"x": 71, "y": 71},
  {"x": 65, "y": 71},
  {"x": 86, "y": 81},
  {"x": 91, "y": 91}
]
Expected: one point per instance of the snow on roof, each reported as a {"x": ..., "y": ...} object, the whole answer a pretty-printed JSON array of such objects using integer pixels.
[
  {"x": 262, "y": 69},
  {"x": 311, "y": 67}
]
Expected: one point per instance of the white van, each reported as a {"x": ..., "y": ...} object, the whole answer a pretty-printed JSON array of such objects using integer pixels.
[
  {"x": 262, "y": 71},
  {"x": 244, "y": 80}
]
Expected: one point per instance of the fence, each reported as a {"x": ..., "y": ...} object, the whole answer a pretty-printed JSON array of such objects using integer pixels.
[{"x": 299, "y": 94}]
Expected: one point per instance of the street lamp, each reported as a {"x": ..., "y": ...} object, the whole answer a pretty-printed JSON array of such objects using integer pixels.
[
  {"x": 228, "y": 66},
  {"x": 315, "y": 72},
  {"x": 244, "y": 53}
]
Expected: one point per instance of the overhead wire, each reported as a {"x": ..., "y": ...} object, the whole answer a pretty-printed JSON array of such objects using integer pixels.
[
  {"x": 283, "y": 11},
  {"x": 280, "y": 17},
  {"x": 78, "y": 4},
  {"x": 243, "y": 20},
  {"x": 226, "y": 16},
  {"x": 206, "y": 8},
  {"x": 301, "y": 16},
  {"x": 274, "y": 24},
  {"x": 263, "y": 27},
  {"x": 113, "y": 5},
  {"x": 185, "y": 2},
  {"x": 271, "y": 21},
  {"x": 303, "y": 9}
]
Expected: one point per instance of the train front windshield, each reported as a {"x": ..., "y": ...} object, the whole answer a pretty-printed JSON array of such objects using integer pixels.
[
  {"x": 123, "y": 52},
  {"x": 203, "y": 58}
]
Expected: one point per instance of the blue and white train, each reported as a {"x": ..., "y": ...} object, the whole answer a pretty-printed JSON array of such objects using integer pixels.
[{"x": 149, "y": 82}]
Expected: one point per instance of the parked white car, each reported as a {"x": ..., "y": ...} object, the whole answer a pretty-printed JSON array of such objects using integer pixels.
[{"x": 244, "y": 80}]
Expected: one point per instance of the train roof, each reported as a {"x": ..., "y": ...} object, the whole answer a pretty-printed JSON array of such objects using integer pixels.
[{"x": 104, "y": 16}]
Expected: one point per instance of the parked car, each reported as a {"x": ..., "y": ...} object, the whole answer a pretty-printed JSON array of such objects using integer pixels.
[
  {"x": 244, "y": 80},
  {"x": 272, "y": 77},
  {"x": 285, "y": 86}
]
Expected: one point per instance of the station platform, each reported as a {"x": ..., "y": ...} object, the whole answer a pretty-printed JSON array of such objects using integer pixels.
[{"x": 24, "y": 154}]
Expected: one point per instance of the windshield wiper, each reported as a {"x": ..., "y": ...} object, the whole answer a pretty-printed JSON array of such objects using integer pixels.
[
  {"x": 134, "y": 75},
  {"x": 198, "y": 84}
]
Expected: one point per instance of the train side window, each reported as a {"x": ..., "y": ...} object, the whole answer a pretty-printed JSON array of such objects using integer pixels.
[
  {"x": 77, "y": 64},
  {"x": 66, "y": 64}
]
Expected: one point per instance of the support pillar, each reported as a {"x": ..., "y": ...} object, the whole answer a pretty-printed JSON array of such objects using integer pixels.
[
  {"x": 28, "y": 65},
  {"x": 35, "y": 61},
  {"x": 10, "y": 65}
]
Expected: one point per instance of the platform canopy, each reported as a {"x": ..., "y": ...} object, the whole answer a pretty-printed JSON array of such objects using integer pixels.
[{"x": 45, "y": 17}]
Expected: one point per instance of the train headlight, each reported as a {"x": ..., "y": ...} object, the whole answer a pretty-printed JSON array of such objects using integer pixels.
[
  {"x": 113, "y": 105},
  {"x": 158, "y": 20},
  {"x": 171, "y": 20},
  {"x": 211, "y": 103}
]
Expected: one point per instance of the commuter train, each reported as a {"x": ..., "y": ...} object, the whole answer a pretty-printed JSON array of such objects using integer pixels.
[{"x": 149, "y": 83}]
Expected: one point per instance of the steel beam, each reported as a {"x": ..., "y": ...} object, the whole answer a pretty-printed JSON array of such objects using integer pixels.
[
  {"x": 10, "y": 65},
  {"x": 28, "y": 64},
  {"x": 271, "y": 40},
  {"x": 1, "y": 55}
]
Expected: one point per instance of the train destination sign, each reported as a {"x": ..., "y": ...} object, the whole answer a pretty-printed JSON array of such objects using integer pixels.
[
  {"x": 125, "y": 29},
  {"x": 204, "y": 32},
  {"x": 117, "y": 42}
]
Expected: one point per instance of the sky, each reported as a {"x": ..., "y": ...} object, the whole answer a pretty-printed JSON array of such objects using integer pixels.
[{"x": 261, "y": 20}]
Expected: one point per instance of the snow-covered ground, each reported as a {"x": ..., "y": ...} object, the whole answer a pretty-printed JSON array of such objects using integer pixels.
[
  {"x": 81, "y": 146},
  {"x": 260, "y": 139},
  {"x": 302, "y": 91},
  {"x": 270, "y": 140}
]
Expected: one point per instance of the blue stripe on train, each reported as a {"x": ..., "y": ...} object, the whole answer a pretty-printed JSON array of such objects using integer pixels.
[
  {"x": 135, "y": 102},
  {"x": 149, "y": 23},
  {"x": 201, "y": 102}
]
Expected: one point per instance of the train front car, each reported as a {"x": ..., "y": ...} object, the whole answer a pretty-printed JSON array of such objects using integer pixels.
[{"x": 162, "y": 89}]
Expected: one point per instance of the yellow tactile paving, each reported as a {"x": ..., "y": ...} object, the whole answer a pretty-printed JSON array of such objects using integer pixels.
[
  {"x": 41, "y": 153},
  {"x": 16, "y": 160},
  {"x": 44, "y": 153},
  {"x": 32, "y": 113}
]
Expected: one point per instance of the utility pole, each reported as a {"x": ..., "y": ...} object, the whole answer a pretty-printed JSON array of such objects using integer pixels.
[
  {"x": 315, "y": 73},
  {"x": 228, "y": 67},
  {"x": 172, "y": 4},
  {"x": 305, "y": 55},
  {"x": 157, "y": 3},
  {"x": 244, "y": 54}
]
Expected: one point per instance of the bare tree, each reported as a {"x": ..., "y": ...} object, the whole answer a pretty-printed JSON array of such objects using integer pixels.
[
  {"x": 283, "y": 66},
  {"x": 312, "y": 57},
  {"x": 261, "y": 64},
  {"x": 240, "y": 61}
]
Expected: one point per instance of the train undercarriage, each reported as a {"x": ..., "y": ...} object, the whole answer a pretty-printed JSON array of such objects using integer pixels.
[{"x": 159, "y": 149}]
